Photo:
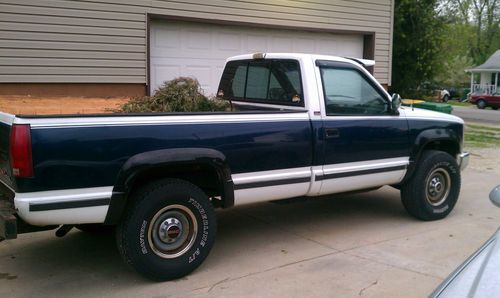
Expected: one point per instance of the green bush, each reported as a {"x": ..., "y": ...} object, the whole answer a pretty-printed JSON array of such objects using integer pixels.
[{"x": 182, "y": 94}]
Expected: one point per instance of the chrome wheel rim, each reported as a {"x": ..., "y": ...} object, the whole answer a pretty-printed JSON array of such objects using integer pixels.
[
  {"x": 438, "y": 185},
  {"x": 172, "y": 231}
]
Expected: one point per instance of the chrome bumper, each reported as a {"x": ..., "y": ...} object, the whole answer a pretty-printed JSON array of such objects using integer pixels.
[{"x": 463, "y": 160}]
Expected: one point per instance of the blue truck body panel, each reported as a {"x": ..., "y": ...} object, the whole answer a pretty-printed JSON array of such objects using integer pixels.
[
  {"x": 366, "y": 139},
  {"x": 80, "y": 157}
]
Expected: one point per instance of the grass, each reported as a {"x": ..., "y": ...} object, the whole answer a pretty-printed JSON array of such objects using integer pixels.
[
  {"x": 475, "y": 126},
  {"x": 452, "y": 102},
  {"x": 459, "y": 103},
  {"x": 481, "y": 136}
]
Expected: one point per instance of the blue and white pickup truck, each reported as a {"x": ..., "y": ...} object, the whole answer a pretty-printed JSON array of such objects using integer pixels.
[{"x": 300, "y": 125}]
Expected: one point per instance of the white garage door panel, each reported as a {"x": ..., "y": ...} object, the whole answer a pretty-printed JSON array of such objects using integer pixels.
[
  {"x": 200, "y": 50},
  {"x": 206, "y": 71}
]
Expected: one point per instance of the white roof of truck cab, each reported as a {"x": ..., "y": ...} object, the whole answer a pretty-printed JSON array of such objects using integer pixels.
[
  {"x": 311, "y": 86},
  {"x": 300, "y": 56}
]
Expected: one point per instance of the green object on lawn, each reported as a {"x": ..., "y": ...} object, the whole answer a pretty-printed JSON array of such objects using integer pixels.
[
  {"x": 435, "y": 106},
  {"x": 465, "y": 94}
]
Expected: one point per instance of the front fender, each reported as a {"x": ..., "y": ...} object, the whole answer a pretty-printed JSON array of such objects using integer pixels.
[
  {"x": 434, "y": 135},
  {"x": 434, "y": 138}
]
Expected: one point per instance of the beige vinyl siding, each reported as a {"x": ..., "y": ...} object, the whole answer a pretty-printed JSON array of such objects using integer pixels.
[{"x": 105, "y": 42}]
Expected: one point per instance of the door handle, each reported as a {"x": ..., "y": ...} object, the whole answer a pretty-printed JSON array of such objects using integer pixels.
[{"x": 332, "y": 133}]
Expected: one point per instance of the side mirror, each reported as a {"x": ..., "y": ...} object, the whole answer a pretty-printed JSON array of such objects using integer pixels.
[
  {"x": 495, "y": 196},
  {"x": 395, "y": 103}
]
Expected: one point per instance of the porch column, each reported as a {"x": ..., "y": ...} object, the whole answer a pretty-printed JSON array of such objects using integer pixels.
[
  {"x": 496, "y": 81},
  {"x": 472, "y": 82}
]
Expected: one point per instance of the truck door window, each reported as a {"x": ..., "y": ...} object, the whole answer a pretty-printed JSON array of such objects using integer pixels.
[
  {"x": 347, "y": 92},
  {"x": 263, "y": 81}
]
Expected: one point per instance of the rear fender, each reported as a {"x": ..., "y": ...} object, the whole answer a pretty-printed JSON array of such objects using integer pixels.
[{"x": 141, "y": 163}]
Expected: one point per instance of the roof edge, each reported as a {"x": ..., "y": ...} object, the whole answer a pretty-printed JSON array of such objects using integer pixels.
[{"x": 483, "y": 70}]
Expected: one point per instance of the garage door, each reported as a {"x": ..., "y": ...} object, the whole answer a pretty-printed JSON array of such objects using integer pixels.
[{"x": 199, "y": 50}]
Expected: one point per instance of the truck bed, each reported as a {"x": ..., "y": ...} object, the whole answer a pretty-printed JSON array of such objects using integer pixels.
[{"x": 27, "y": 105}]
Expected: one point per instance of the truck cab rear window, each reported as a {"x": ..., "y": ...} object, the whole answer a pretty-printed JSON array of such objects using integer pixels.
[{"x": 263, "y": 81}]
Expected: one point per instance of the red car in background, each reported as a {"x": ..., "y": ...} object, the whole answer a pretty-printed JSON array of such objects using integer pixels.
[{"x": 486, "y": 100}]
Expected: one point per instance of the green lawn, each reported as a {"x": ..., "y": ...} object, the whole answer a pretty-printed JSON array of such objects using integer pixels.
[
  {"x": 481, "y": 136},
  {"x": 450, "y": 102},
  {"x": 459, "y": 103}
]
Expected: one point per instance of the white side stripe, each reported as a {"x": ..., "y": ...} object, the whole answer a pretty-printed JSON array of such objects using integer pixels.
[
  {"x": 271, "y": 175},
  {"x": 92, "y": 214},
  {"x": 365, "y": 165},
  {"x": 161, "y": 119},
  {"x": 255, "y": 188},
  {"x": 65, "y": 195}
]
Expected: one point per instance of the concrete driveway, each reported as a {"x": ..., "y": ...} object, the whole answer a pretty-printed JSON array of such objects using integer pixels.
[{"x": 357, "y": 245}]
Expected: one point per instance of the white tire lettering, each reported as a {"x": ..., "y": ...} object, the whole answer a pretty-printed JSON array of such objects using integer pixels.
[
  {"x": 144, "y": 250},
  {"x": 204, "y": 236},
  {"x": 194, "y": 255}
]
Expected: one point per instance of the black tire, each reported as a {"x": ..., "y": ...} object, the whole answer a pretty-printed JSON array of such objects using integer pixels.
[
  {"x": 446, "y": 98},
  {"x": 481, "y": 104},
  {"x": 168, "y": 229},
  {"x": 96, "y": 229},
  {"x": 433, "y": 190}
]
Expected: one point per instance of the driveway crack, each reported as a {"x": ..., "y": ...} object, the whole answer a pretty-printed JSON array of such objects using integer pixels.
[
  {"x": 280, "y": 227},
  {"x": 228, "y": 279},
  {"x": 217, "y": 283},
  {"x": 392, "y": 265},
  {"x": 367, "y": 287}
]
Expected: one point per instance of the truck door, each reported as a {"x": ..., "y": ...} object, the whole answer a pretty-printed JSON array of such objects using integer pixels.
[{"x": 365, "y": 144}]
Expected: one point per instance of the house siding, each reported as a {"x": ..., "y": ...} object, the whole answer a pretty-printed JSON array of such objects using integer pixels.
[{"x": 62, "y": 41}]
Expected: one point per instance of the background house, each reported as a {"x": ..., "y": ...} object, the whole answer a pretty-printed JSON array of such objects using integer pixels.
[
  {"x": 488, "y": 75},
  {"x": 129, "y": 47}
]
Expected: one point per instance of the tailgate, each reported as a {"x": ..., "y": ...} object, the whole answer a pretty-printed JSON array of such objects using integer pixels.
[{"x": 6, "y": 121}]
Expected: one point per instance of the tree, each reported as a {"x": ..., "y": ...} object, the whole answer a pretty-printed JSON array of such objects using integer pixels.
[
  {"x": 483, "y": 19},
  {"x": 416, "y": 47},
  {"x": 455, "y": 53}
]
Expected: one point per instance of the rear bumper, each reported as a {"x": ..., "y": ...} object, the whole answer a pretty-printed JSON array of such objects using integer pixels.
[
  {"x": 463, "y": 160},
  {"x": 11, "y": 224}
]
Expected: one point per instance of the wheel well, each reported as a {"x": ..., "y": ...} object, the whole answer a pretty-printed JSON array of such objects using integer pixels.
[
  {"x": 447, "y": 146},
  {"x": 212, "y": 177},
  {"x": 204, "y": 176}
]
